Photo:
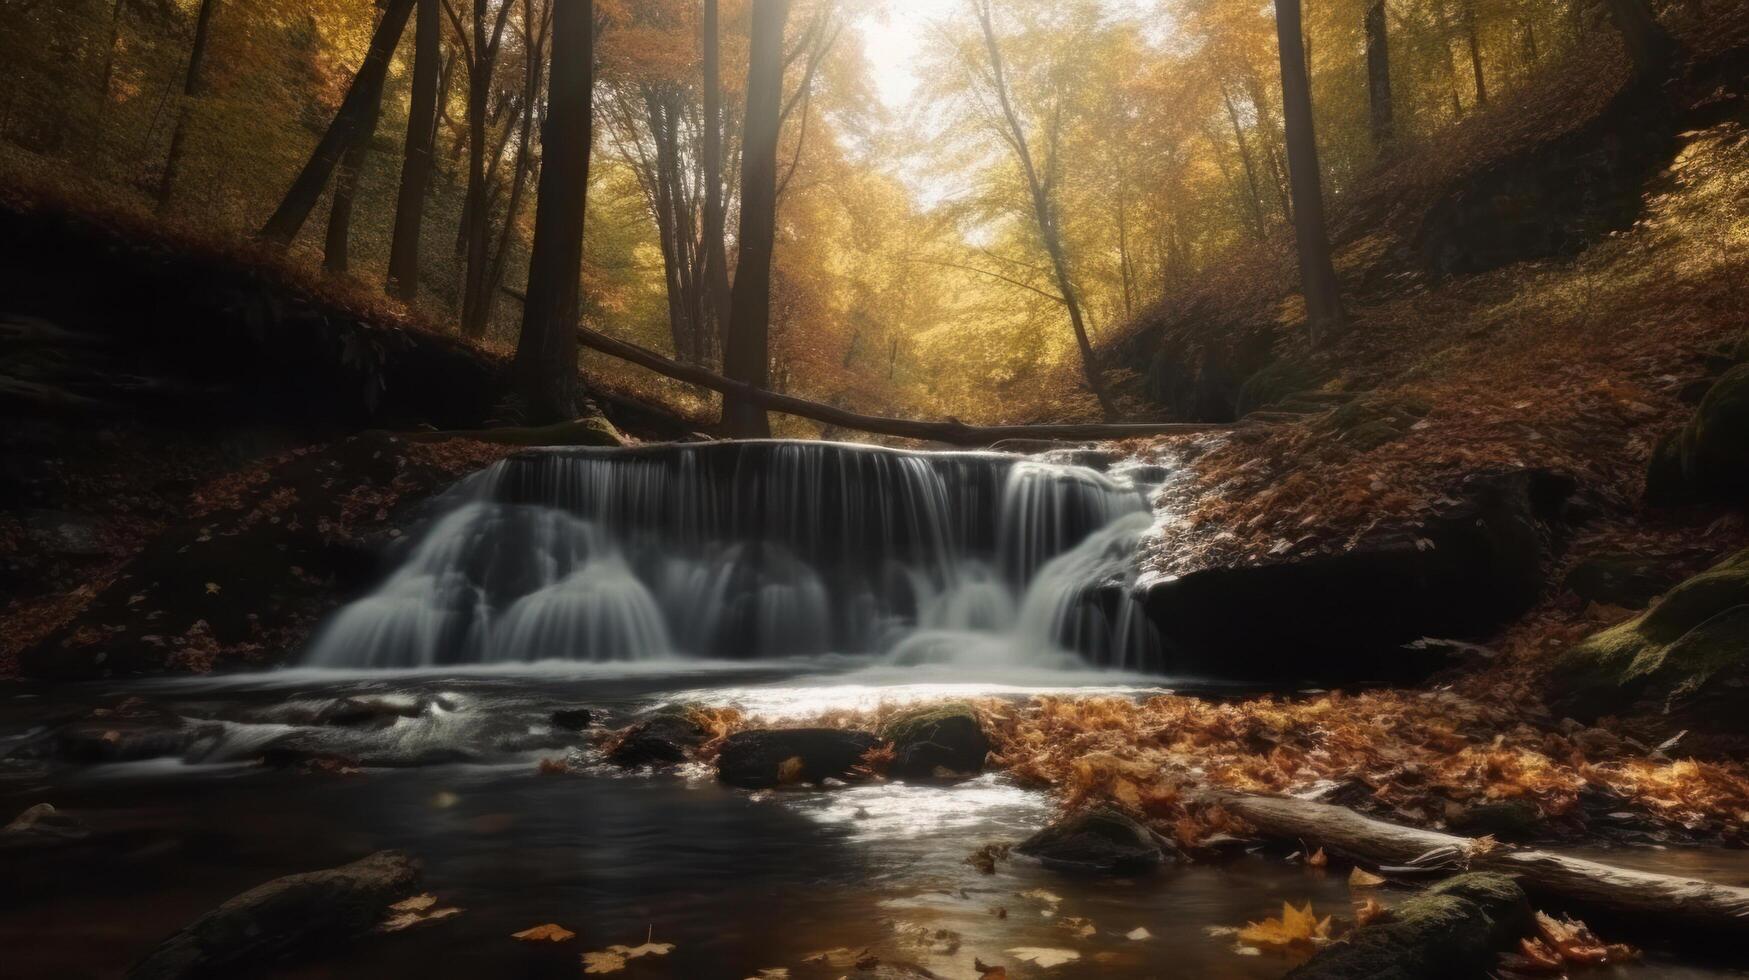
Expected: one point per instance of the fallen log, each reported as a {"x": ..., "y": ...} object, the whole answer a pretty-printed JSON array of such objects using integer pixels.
[
  {"x": 1684, "y": 903},
  {"x": 952, "y": 431}
]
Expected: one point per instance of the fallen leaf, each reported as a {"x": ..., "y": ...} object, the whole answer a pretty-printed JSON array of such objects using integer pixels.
[
  {"x": 548, "y": 933},
  {"x": 1138, "y": 934},
  {"x": 417, "y": 903},
  {"x": 212, "y": 588},
  {"x": 790, "y": 770},
  {"x": 1044, "y": 957},
  {"x": 1297, "y": 928},
  {"x": 1039, "y": 894},
  {"x": 1368, "y": 911},
  {"x": 1362, "y": 878},
  {"x": 1317, "y": 860},
  {"x": 603, "y": 962},
  {"x": 772, "y": 973}
]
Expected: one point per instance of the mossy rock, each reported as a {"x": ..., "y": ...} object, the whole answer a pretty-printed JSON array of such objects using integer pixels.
[
  {"x": 1098, "y": 841},
  {"x": 1708, "y": 460},
  {"x": 1370, "y": 422},
  {"x": 592, "y": 429},
  {"x": 765, "y": 758},
  {"x": 1453, "y": 931},
  {"x": 1696, "y": 638},
  {"x": 942, "y": 741},
  {"x": 1275, "y": 383}
]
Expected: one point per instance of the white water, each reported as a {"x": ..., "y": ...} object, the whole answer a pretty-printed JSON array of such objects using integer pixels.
[{"x": 760, "y": 550}]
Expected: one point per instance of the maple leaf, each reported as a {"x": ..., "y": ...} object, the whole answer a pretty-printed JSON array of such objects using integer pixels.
[
  {"x": 605, "y": 962},
  {"x": 1298, "y": 928},
  {"x": 550, "y": 933},
  {"x": 1138, "y": 934},
  {"x": 1369, "y": 911}
]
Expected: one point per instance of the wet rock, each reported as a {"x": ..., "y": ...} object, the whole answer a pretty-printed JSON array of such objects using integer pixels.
[
  {"x": 938, "y": 742},
  {"x": 1509, "y": 820},
  {"x": 1100, "y": 841},
  {"x": 573, "y": 719},
  {"x": 1681, "y": 664},
  {"x": 339, "y": 751},
  {"x": 1335, "y": 618},
  {"x": 42, "y": 826},
  {"x": 372, "y": 712},
  {"x": 766, "y": 758},
  {"x": 296, "y": 914},
  {"x": 1453, "y": 931},
  {"x": 664, "y": 740},
  {"x": 118, "y": 739}
]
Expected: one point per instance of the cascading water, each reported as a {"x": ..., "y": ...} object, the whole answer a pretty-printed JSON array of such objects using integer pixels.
[{"x": 764, "y": 549}]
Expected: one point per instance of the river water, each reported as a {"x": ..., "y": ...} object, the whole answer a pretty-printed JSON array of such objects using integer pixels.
[{"x": 738, "y": 882}]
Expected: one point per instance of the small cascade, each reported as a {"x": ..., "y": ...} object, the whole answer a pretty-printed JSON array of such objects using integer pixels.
[{"x": 765, "y": 549}]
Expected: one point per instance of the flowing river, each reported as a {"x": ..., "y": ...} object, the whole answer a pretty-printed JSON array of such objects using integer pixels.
[{"x": 784, "y": 580}]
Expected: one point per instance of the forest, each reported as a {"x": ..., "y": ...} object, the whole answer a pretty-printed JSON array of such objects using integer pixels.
[{"x": 881, "y": 489}]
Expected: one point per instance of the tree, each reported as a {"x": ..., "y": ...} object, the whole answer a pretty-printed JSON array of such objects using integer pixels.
[
  {"x": 1317, "y": 271},
  {"x": 403, "y": 281},
  {"x": 1044, "y": 209},
  {"x": 746, "y": 354},
  {"x": 335, "y": 258},
  {"x": 1651, "y": 47},
  {"x": 545, "y": 365},
  {"x": 716, "y": 257},
  {"x": 1378, "y": 75},
  {"x": 480, "y": 54},
  {"x": 348, "y": 123},
  {"x": 191, "y": 87}
]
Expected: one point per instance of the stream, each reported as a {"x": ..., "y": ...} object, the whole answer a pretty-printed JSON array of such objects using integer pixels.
[{"x": 784, "y": 580}]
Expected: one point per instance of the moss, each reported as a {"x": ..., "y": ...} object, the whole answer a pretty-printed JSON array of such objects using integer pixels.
[
  {"x": 1708, "y": 459},
  {"x": 1453, "y": 930},
  {"x": 1370, "y": 422},
  {"x": 590, "y": 430},
  {"x": 1698, "y": 632},
  {"x": 936, "y": 739},
  {"x": 909, "y": 723},
  {"x": 1276, "y": 382}
]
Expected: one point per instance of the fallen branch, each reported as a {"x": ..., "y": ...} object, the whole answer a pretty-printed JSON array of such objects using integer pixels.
[
  {"x": 952, "y": 432},
  {"x": 1681, "y": 902}
]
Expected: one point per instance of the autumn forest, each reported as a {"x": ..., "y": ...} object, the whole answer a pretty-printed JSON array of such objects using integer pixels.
[{"x": 876, "y": 489}]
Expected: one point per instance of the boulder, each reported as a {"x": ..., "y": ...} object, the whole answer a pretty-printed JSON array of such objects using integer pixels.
[
  {"x": 573, "y": 719},
  {"x": 1685, "y": 660},
  {"x": 296, "y": 914},
  {"x": 1707, "y": 461},
  {"x": 42, "y": 826},
  {"x": 940, "y": 741},
  {"x": 664, "y": 740},
  {"x": 1098, "y": 841},
  {"x": 1339, "y": 618},
  {"x": 1453, "y": 931},
  {"x": 775, "y": 757}
]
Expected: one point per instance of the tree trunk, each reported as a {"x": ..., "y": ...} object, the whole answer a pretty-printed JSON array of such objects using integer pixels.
[
  {"x": 403, "y": 282},
  {"x": 1652, "y": 48},
  {"x": 1044, "y": 211},
  {"x": 108, "y": 74},
  {"x": 1255, "y": 200},
  {"x": 335, "y": 257},
  {"x": 746, "y": 356},
  {"x": 1473, "y": 38},
  {"x": 1662, "y": 900},
  {"x": 1317, "y": 272},
  {"x": 531, "y": 89},
  {"x": 300, "y": 199},
  {"x": 716, "y": 258},
  {"x": 191, "y": 87},
  {"x": 1378, "y": 76},
  {"x": 475, "y": 218},
  {"x": 953, "y": 432},
  {"x": 545, "y": 366}
]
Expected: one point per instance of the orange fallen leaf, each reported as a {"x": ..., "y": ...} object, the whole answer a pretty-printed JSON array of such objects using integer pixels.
[
  {"x": 1362, "y": 878},
  {"x": 549, "y": 933}
]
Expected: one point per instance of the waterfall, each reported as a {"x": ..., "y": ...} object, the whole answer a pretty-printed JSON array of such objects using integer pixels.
[{"x": 763, "y": 549}]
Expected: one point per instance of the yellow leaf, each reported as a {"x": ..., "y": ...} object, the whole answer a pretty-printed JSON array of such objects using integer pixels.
[
  {"x": 790, "y": 770},
  {"x": 1296, "y": 928},
  {"x": 418, "y": 903},
  {"x": 603, "y": 963},
  {"x": 1317, "y": 860},
  {"x": 212, "y": 588},
  {"x": 1362, "y": 878},
  {"x": 550, "y": 933},
  {"x": 1138, "y": 934},
  {"x": 1368, "y": 911}
]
